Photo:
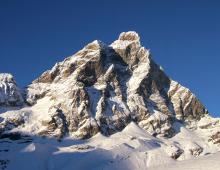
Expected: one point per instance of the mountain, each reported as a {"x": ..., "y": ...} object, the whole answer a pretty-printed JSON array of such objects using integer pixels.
[
  {"x": 103, "y": 88},
  {"x": 10, "y": 94},
  {"x": 107, "y": 106}
]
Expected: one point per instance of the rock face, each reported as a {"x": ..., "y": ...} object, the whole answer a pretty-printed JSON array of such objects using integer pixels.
[
  {"x": 10, "y": 95},
  {"x": 104, "y": 87}
]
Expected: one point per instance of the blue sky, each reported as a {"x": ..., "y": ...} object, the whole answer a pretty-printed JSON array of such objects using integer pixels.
[{"x": 183, "y": 36}]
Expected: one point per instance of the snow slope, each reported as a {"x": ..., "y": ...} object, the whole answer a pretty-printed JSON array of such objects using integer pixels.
[
  {"x": 210, "y": 162},
  {"x": 129, "y": 149}
]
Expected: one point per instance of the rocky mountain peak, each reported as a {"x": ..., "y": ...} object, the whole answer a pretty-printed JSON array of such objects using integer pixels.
[
  {"x": 7, "y": 78},
  {"x": 95, "y": 45},
  {"x": 102, "y": 88},
  {"x": 129, "y": 36},
  {"x": 10, "y": 95},
  {"x": 128, "y": 46}
]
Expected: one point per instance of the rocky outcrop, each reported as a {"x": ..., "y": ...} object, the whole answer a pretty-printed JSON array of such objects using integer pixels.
[
  {"x": 56, "y": 125},
  {"x": 174, "y": 151},
  {"x": 215, "y": 138},
  {"x": 102, "y": 88},
  {"x": 10, "y": 95}
]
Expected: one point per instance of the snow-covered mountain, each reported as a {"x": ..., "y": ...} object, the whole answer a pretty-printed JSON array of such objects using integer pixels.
[
  {"x": 105, "y": 107},
  {"x": 10, "y": 95}
]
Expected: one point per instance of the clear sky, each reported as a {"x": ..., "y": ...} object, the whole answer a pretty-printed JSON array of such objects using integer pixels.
[{"x": 183, "y": 36}]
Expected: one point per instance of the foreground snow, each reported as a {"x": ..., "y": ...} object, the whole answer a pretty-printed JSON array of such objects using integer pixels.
[
  {"x": 210, "y": 162},
  {"x": 132, "y": 149}
]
